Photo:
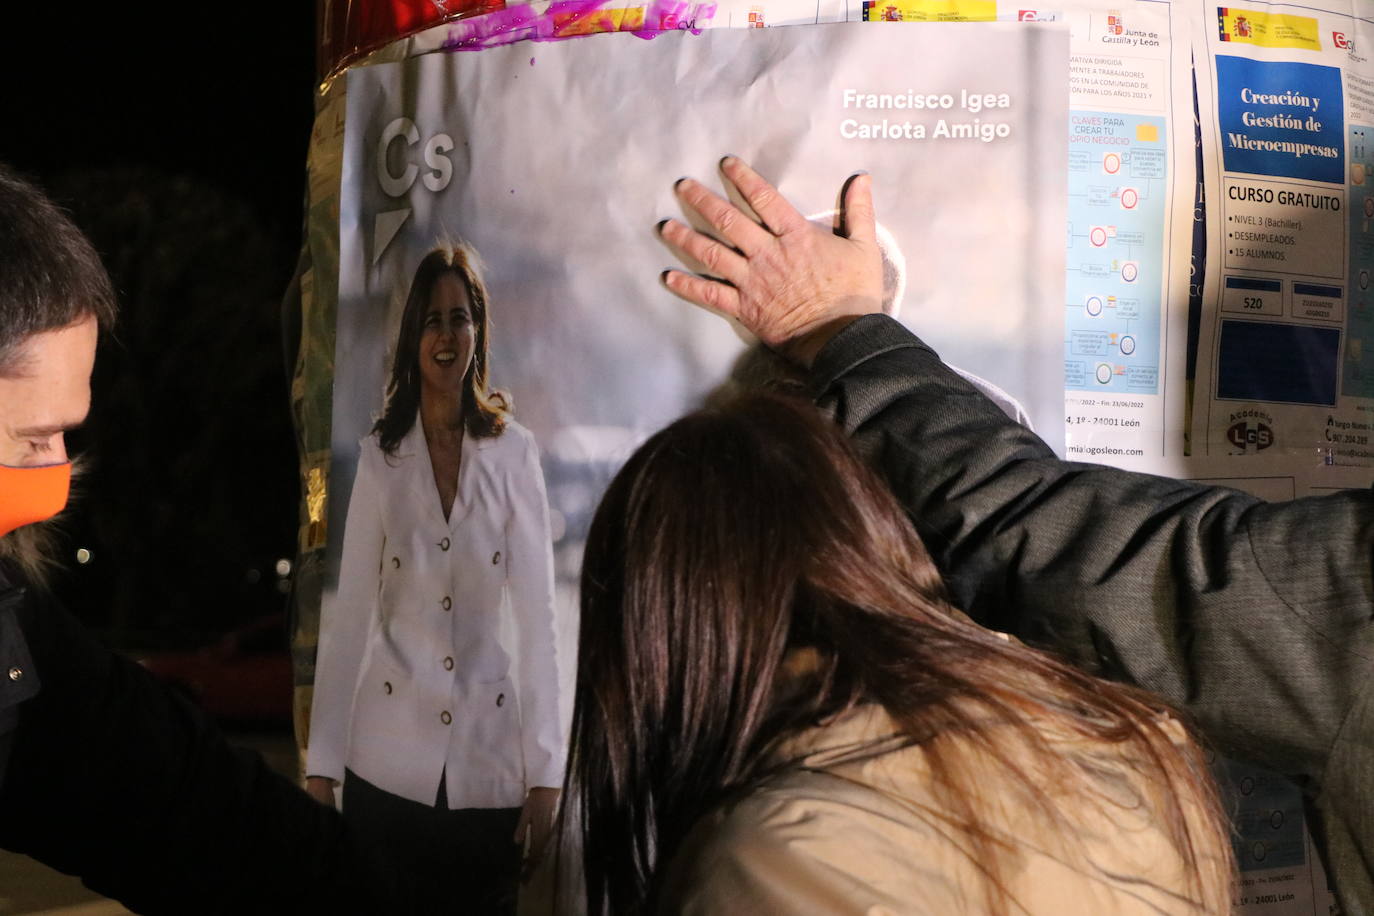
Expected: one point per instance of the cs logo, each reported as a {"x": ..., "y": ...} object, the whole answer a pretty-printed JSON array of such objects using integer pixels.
[
  {"x": 1340, "y": 41},
  {"x": 397, "y": 171},
  {"x": 438, "y": 168}
]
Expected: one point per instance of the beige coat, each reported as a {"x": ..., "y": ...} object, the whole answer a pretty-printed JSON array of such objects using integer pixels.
[{"x": 867, "y": 837}]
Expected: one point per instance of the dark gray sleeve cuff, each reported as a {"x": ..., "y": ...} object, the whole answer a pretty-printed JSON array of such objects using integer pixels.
[{"x": 861, "y": 340}]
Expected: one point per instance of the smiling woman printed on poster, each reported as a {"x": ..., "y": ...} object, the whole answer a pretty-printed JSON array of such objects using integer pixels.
[{"x": 436, "y": 688}]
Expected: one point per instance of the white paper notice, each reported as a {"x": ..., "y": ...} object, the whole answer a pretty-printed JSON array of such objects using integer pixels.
[{"x": 1286, "y": 347}]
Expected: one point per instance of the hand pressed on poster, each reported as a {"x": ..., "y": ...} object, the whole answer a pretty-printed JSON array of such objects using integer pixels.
[{"x": 790, "y": 282}]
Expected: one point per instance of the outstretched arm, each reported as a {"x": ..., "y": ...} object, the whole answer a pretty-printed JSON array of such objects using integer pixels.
[{"x": 1255, "y": 617}]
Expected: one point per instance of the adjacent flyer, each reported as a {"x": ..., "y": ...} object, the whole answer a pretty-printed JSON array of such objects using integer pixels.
[
  {"x": 1128, "y": 237},
  {"x": 1283, "y": 393},
  {"x": 1286, "y": 99},
  {"x": 1130, "y": 213},
  {"x": 1280, "y": 871}
]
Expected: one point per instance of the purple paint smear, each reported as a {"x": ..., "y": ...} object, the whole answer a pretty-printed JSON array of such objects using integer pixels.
[{"x": 521, "y": 23}]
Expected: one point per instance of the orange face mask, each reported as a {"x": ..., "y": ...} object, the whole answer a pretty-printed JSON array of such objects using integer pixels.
[{"x": 29, "y": 495}]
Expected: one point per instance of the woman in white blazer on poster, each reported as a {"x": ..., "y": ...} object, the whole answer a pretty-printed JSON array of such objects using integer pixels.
[{"x": 436, "y": 683}]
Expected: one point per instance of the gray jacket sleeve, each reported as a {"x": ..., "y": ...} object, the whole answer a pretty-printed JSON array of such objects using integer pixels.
[{"x": 1252, "y": 616}]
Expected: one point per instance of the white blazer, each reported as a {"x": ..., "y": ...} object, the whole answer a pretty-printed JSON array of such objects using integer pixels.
[{"x": 437, "y": 653}]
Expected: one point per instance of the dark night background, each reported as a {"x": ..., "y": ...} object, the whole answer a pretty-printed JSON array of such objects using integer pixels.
[{"x": 177, "y": 138}]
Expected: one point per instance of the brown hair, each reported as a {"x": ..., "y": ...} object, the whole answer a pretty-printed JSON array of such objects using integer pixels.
[
  {"x": 484, "y": 410},
  {"x": 750, "y": 529},
  {"x": 50, "y": 278},
  {"x": 50, "y": 275}
]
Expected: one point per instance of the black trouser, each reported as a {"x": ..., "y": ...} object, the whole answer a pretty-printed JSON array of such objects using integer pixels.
[{"x": 467, "y": 857}]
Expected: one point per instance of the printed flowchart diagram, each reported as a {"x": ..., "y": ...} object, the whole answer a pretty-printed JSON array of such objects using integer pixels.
[{"x": 1115, "y": 270}]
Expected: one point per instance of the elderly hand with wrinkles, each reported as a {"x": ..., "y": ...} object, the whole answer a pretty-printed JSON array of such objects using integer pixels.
[{"x": 790, "y": 282}]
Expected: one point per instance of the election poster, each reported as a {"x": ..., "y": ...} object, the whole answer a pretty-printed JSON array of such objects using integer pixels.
[{"x": 592, "y": 351}]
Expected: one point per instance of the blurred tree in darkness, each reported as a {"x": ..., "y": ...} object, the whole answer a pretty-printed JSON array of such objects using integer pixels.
[{"x": 192, "y": 480}]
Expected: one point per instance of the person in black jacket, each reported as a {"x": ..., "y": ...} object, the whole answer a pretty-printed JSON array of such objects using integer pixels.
[
  {"x": 104, "y": 773},
  {"x": 1256, "y": 618}
]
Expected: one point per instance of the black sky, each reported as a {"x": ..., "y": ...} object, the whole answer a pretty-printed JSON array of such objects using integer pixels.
[
  {"x": 220, "y": 91},
  {"x": 176, "y": 135}
]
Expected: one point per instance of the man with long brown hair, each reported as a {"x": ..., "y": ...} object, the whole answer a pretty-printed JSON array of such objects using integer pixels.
[{"x": 1256, "y": 618}]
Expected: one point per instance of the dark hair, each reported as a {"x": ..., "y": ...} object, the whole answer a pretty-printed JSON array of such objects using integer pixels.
[
  {"x": 750, "y": 529},
  {"x": 484, "y": 410},
  {"x": 50, "y": 278},
  {"x": 50, "y": 275}
]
